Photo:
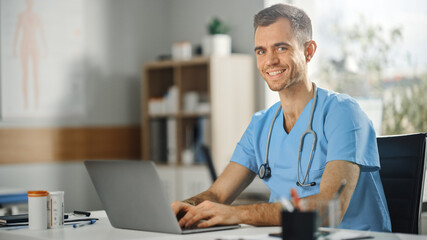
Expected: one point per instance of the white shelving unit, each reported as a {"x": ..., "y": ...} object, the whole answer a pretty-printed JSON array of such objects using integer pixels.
[{"x": 226, "y": 86}]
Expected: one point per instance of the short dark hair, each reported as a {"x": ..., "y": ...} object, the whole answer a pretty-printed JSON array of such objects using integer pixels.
[{"x": 300, "y": 21}]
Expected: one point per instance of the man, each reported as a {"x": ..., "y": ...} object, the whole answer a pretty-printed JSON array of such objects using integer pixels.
[{"x": 345, "y": 148}]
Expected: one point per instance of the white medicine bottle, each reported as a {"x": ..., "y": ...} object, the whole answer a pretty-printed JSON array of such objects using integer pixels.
[{"x": 37, "y": 210}]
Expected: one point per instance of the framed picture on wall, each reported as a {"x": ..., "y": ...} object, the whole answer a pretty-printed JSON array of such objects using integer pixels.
[{"x": 42, "y": 58}]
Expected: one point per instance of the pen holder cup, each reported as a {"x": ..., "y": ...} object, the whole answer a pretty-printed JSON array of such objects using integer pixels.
[
  {"x": 328, "y": 211},
  {"x": 299, "y": 225}
]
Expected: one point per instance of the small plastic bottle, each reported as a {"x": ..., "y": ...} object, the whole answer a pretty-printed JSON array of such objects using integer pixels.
[{"x": 37, "y": 209}]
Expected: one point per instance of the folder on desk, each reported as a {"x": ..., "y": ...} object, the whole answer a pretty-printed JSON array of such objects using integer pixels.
[{"x": 20, "y": 218}]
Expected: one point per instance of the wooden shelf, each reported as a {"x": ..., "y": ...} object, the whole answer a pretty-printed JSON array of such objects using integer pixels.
[
  {"x": 225, "y": 84},
  {"x": 171, "y": 63},
  {"x": 179, "y": 115}
]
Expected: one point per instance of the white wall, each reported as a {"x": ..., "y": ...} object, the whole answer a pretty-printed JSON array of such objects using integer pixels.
[
  {"x": 122, "y": 36},
  {"x": 72, "y": 178},
  {"x": 119, "y": 37}
]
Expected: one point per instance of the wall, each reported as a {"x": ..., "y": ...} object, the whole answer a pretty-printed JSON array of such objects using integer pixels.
[
  {"x": 72, "y": 178},
  {"x": 119, "y": 37},
  {"x": 122, "y": 36}
]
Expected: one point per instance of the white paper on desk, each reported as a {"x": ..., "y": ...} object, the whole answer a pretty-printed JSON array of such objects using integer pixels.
[
  {"x": 412, "y": 236},
  {"x": 343, "y": 235}
]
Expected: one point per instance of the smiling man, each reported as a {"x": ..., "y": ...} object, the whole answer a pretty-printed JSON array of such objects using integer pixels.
[{"x": 337, "y": 140}]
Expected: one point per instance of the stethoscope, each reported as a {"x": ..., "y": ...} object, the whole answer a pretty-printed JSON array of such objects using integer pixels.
[{"x": 265, "y": 171}]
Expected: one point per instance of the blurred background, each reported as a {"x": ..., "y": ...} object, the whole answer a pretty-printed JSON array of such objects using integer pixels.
[
  {"x": 73, "y": 80},
  {"x": 374, "y": 51}
]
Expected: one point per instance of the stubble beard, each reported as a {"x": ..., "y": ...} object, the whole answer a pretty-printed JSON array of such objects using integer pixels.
[{"x": 293, "y": 79}]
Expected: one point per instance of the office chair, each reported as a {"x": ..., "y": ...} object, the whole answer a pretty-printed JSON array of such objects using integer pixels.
[
  {"x": 203, "y": 150},
  {"x": 402, "y": 159}
]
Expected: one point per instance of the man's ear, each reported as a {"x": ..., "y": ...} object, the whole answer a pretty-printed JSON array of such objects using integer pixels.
[{"x": 310, "y": 49}]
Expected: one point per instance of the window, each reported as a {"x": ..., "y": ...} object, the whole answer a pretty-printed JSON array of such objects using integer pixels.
[{"x": 375, "y": 52}]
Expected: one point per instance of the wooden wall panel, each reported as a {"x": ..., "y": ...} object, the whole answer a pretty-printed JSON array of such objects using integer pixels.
[{"x": 25, "y": 145}]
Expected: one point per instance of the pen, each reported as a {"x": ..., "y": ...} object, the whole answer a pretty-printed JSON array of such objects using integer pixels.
[
  {"x": 77, "y": 225},
  {"x": 340, "y": 189},
  {"x": 87, "y": 214},
  {"x": 295, "y": 198},
  {"x": 358, "y": 238}
]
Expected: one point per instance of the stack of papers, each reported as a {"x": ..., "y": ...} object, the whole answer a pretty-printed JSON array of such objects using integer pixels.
[
  {"x": 21, "y": 221},
  {"x": 340, "y": 235}
]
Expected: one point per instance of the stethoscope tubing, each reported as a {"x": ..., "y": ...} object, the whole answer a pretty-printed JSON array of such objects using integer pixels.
[
  {"x": 269, "y": 136},
  {"x": 309, "y": 130}
]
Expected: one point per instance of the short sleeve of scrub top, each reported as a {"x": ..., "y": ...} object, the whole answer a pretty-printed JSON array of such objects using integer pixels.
[
  {"x": 344, "y": 132},
  {"x": 244, "y": 152},
  {"x": 350, "y": 134}
]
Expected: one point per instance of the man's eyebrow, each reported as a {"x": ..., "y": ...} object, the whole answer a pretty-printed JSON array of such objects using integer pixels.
[
  {"x": 279, "y": 44},
  {"x": 258, "y": 48}
]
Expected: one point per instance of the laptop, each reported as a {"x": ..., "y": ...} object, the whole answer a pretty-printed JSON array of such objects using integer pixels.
[{"x": 133, "y": 197}]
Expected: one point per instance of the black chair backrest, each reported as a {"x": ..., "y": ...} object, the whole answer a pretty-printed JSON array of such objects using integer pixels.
[
  {"x": 206, "y": 155},
  {"x": 402, "y": 172}
]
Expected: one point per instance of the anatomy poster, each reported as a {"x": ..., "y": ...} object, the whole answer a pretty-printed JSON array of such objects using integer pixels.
[{"x": 42, "y": 58}]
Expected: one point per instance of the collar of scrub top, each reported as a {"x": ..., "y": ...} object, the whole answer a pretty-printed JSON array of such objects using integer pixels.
[{"x": 265, "y": 171}]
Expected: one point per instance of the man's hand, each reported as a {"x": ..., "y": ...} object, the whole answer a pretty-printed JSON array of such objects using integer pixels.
[
  {"x": 180, "y": 208},
  {"x": 212, "y": 213}
]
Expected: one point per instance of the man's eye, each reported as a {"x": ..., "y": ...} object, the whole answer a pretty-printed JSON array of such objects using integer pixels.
[
  {"x": 260, "y": 52},
  {"x": 281, "y": 49}
]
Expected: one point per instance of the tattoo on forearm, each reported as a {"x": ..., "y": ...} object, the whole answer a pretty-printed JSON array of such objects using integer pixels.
[{"x": 196, "y": 200}]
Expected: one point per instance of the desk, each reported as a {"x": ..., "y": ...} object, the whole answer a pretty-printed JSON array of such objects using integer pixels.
[{"x": 102, "y": 229}]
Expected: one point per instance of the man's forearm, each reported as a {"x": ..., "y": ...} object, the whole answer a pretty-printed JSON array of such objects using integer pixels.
[
  {"x": 199, "y": 198},
  {"x": 261, "y": 214}
]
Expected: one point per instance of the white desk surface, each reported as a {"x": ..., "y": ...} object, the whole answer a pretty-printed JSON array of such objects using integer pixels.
[{"x": 102, "y": 229}]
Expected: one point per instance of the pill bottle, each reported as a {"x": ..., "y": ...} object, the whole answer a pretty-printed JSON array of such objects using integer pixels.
[
  {"x": 55, "y": 209},
  {"x": 37, "y": 210}
]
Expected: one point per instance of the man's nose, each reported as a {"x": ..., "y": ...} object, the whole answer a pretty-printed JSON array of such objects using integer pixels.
[{"x": 272, "y": 58}]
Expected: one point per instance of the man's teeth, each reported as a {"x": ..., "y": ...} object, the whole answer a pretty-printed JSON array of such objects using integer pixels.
[{"x": 275, "y": 73}]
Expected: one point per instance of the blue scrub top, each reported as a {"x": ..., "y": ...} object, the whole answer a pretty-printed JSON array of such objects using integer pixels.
[{"x": 344, "y": 132}]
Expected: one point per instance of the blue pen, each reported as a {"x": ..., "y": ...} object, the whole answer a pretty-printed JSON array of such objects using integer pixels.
[{"x": 77, "y": 225}]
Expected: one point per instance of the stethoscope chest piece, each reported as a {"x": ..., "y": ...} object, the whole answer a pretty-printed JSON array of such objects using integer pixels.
[{"x": 264, "y": 171}]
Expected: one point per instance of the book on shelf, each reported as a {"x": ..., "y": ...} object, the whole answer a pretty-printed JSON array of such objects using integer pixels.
[
  {"x": 172, "y": 145},
  {"x": 203, "y": 136},
  {"x": 158, "y": 141}
]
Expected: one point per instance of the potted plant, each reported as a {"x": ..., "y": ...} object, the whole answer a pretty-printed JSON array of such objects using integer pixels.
[{"x": 218, "y": 42}]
